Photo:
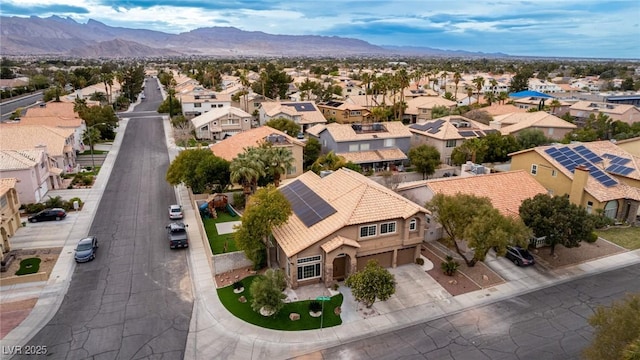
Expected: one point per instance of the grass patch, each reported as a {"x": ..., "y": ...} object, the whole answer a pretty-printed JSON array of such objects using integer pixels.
[
  {"x": 29, "y": 266},
  {"x": 95, "y": 152},
  {"x": 628, "y": 238},
  {"x": 217, "y": 241},
  {"x": 280, "y": 321}
]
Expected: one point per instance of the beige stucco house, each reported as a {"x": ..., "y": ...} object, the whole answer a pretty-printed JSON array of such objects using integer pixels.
[
  {"x": 420, "y": 108},
  {"x": 32, "y": 170},
  {"x": 304, "y": 113},
  {"x": 581, "y": 110},
  {"x": 219, "y": 123},
  {"x": 10, "y": 213},
  {"x": 552, "y": 126},
  {"x": 57, "y": 114},
  {"x": 340, "y": 222}
]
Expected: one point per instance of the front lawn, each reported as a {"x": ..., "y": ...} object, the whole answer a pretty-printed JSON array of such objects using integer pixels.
[
  {"x": 29, "y": 266},
  {"x": 280, "y": 321},
  {"x": 217, "y": 241},
  {"x": 628, "y": 238}
]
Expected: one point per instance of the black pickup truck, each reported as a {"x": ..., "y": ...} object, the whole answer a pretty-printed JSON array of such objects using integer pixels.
[{"x": 177, "y": 234}]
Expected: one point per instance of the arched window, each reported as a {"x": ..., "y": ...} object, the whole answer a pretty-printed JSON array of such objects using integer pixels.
[
  {"x": 413, "y": 225},
  {"x": 611, "y": 209}
]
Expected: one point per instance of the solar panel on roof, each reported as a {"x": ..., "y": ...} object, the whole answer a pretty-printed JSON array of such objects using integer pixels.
[
  {"x": 467, "y": 133},
  {"x": 302, "y": 106},
  {"x": 588, "y": 154},
  {"x": 306, "y": 204},
  {"x": 569, "y": 158},
  {"x": 619, "y": 169}
]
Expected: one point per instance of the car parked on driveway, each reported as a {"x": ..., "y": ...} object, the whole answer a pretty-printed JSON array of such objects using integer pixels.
[
  {"x": 519, "y": 256},
  {"x": 175, "y": 212},
  {"x": 86, "y": 249},
  {"x": 177, "y": 234},
  {"x": 48, "y": 215}
]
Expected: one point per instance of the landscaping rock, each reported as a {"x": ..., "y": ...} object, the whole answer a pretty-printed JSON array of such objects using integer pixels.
[
  {"x": 242, "y": 299},
  {"x": 337, "y": 310},
  {"x": 294, "y": 316},
  {"x": 485, "y": 277}
]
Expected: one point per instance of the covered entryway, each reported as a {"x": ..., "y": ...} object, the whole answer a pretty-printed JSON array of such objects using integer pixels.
[
  {"x": 384, "y": 259},
  {"x": 340, "y": 264}
]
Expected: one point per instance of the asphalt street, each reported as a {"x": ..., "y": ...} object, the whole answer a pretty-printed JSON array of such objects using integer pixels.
[
  {"x": 135, "y": 299},
  {"x": 547, "y": 324},
  {"x": 7, "y": 107}
]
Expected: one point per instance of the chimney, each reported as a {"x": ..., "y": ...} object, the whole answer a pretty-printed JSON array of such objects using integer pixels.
[{"x": 580, "y": 177}]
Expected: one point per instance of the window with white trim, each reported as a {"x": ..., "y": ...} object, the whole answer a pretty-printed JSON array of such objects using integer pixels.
[
  {"x": 364, "y": 147},
  {"x": 413, "y": 225},
  {"x": 451, "y": 143},
  {"x": 197, "y": 105},
  {"x": 388, "y": 228},
  {"x": 534, "y": 169},
  {"x": 353, "y": 147},
  {"x": 389, "y": 142},
  {"x": 368, "y": 231},
  {"x": 309, "y": 267}
]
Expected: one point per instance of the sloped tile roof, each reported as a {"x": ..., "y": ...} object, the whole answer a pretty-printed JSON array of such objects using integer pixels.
[
  {"x": 426, "y": 102},
  {"x": 607, "y": 108},
  {"x": 273, "y": 108},
  {"x": 7, "y": 184},
  {"x": 515, "y": 122},
  {"x": 448, "y": 131},
  {"x": 500, "y": 109},
  {"x": 345, "y": 132},
  {"x": 52, "y": 109},
  {"x": 505, "y": 190},
  {"x": 356, "y": 199},
  {"x": 338, "y": 241},
  {"x": 218, "y": 113},
  {"x": 25, "y": 137},
  {"x": 361, "y": 157},
  {"x": 229, "y": 148},
  {"x": 19, "y": 159}
]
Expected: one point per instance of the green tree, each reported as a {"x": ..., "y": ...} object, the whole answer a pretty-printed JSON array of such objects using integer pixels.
[
  {"x": 200, "y": 170},
  {"x": 266, "y": 291},
  {"x": 556, "y": 218},
  {"x": 311, "y": 151},
  {"x": 246, "y": 169},
  {"x": 479, "y": 115},
  {"x": 170, "y": 104},
  {"x": 520, "y": 81},
  {"x": 373, "y": 282},
  {"x": 278, "y": 160},
  {"x": 499, "y": 147},
  {"x": 265, "y": 209},
  {"x": 91, "y": 136},
  {"x": 439, "y": 111},
  {"x": 473, "y": 150},
  {"x": 103, "y": 116},
  {"x": 285, "y": 125},
  {"x": 471, "y": 218},
  {"x": 426, "y": 159},
  {"x": 530, "y": 138},
  {"x": 617, "y": 330}
]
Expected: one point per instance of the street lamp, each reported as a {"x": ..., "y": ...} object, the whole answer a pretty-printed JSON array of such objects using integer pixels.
[{"x": 93, "y": 162}]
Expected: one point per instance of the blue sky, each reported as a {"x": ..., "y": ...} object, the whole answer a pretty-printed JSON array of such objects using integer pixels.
[{"x": 573, "y": 28}]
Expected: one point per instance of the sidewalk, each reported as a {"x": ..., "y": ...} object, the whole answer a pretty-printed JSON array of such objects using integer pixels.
[{"x": 215, "y": 333}]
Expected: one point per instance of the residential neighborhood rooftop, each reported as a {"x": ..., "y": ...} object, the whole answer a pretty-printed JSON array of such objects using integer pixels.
[{"x": 229, "y": 148}]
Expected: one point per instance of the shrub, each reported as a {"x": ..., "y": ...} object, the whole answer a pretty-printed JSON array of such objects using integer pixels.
[
  {"x": 420, "y": 261},
  {"x": 68, "y": 205},
  {"x": 29, "y": 266},
  {"x": 238, "y": 285},
  {"x": 267, "y": 293},
  {"x": 34, "y": 208},
  {"x": 593, "y": 237},
  {"x": 54, "y": 202},
  {"x": 450, "y": 266},
  {"x": 315, "y": 306},
  {"x": 238, "y": 199}
]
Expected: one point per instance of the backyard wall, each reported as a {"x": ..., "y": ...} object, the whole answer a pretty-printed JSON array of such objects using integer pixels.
[{"x": 230, "y": 261}]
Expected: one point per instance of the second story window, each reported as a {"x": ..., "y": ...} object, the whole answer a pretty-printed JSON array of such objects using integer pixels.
[
  {"x": 367, "y": 231},
  {"x": 197, "y": 105},
  {"x": 413, "y": 225},
  {"x": 389, "y": 142},
  {"x": 364, "y": 147},
  {"x": 388, "y": 228},
  {"x": 451, "y": 143},
  {"x": 534, "y": 169}
]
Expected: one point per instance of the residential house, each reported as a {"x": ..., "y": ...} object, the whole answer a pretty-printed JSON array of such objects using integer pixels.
[
  {"x": 306, "y": 113},
  {"x": 9, "y": 213},
  {"x": 420, "y": 108},
  {"x": 57, "y": 142},
  {"x": 342, "y": 221},
  {"x": 446, "y": 133},
  {"x": 231, "y": 147},
  {"x": 220, "y": 123},
  {"x": 57, "y": 114},
  {"x": 498, "y": 187},
  {"x": 111, "y": 93},
  {"x": 543, "y": 86},
  {"x": 32, "y": 170},
  {"x": 369, "y": 101},
  {"x": 414, "y": 93},
  {"x": 553, "y": 127},
  {"x": 581, "y": 110},
  {"x": 597, "y": 176},
  {"x": 632, "y": 146},
  {"x": 344, "y": 112},
  {"x": 201, "y": 100},
  {"x": 375, "y": 146},
  {"x": 501, "y": 109}
]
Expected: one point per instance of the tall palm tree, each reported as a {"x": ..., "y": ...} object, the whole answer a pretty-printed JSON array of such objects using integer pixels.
[
  {"x": 443, "y": 83},
  {"x": 417, "y": 76},
  {"x": 246, "y": 169},
  {"x": 456, "y": 79},
  {"x": 279, "y": 160},
  {"x": 244, "y": 80},
  {"x": 503, "y": 96},
  {"x": 554, "y": 104},
  {"x": 403, "y": 81},
  {"x": 494, "y": 85},
  {"x": 479, "y": 81},
  {"x": 367, "y": 78},
  {"x": 490, "y": 97}
]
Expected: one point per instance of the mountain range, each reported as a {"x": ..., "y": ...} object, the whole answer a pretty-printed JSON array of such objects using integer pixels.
[{"x": 58, "y": 36}]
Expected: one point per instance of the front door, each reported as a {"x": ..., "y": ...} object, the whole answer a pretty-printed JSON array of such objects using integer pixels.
[{"x": 339, "y": 268}]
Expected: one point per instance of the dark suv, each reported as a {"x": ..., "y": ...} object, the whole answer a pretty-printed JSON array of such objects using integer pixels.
[
  {"x": 177, "y": 234},
  {"x": 519, "y": 256},
  {"x": 48, "y": 214}
]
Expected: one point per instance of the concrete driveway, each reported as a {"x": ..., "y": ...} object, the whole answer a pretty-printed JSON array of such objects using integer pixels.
[{"x": 47, "y": 234}]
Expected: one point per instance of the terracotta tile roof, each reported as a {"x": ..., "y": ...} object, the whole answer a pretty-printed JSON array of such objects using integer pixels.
[
  {"x": 19, "y": 159},
  {"x": 368, "y": 101},
  {"x": 229, "y": 148},
  {"x": 361, "y": 157},
  {"x": 608, "y": 108},
  {"x": 7, "y": 184},
  {"x": 505, "y": 190},
  {"x": 594, "y": 187},
  {"x": 26, "y": 137},
  {"x": 356, "y": 199},
  {"x": 338, "y": 241},
  {"x": 518, "y": 121},
  {"x": 190, "y": 97},
  {"x": 52, "y": 109},
  {"x": 448, "y": 131},
  {"x": 426, "y": 102},
  {"x": 345, "y": 132},
  {"x": 218, "y": 113},
  {"x": 52, "y": 121},
  {"x": 273, "y": 108},
  {"x": 497, "y": 109}
]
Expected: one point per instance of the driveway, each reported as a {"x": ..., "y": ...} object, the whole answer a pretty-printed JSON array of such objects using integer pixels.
[{"x": 47, "y": 234}]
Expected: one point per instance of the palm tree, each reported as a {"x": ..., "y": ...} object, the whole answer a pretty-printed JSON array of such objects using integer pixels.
[
  {"x": 403, "y": 82},
  {"x": 503, "y": 96},
  {"x": 443, "y": 83},
  {"x": 244, "y": 80},
  {"x": 490, "y": 97},
  {"x": 246, "y": 169},
  {"x": 494, "y": 85},
  {"x": 555, "y": 103},
  {"x": 279, "y": 160},
  {"x": 79, "y": 105},
  {"x": 417, "y": 76},
  {"x": 456, "y": 79},
  {"x": 479, "y": 81}
]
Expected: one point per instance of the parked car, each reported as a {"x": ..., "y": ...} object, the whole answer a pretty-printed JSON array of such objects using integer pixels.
[
  {"x": 48, "y": 215},
  {"x": 86, "y": 249},
  {"x": 175, "y": 212},
  {"x": 177, "y": 234},
  {"x": 519, "y": 256}
]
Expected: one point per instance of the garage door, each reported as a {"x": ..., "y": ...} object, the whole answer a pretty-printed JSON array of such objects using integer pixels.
[
  {"x": 405, "y": 256},
  {"x": 385, "y": 259}
]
